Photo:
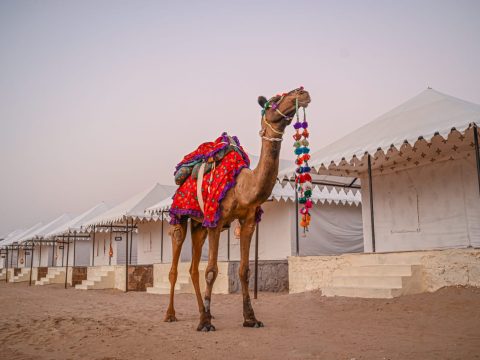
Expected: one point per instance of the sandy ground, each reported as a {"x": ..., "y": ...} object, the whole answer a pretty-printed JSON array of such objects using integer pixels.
[{"x": 52, "y": 323}]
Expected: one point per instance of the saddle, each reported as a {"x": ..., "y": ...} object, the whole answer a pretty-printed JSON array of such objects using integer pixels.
[{"x": 192, "y": 167}]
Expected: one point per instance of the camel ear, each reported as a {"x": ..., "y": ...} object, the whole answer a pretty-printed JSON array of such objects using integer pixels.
[{"x": 262, "y": 100}]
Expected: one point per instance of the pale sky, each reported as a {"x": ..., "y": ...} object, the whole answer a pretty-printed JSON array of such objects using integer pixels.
[{"x": 100, "y": 99}]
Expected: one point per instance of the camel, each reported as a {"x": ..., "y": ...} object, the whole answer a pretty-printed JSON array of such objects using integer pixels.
[{"x": 252, "y": 188}]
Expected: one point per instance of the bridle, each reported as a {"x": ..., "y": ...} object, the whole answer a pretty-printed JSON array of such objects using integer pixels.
[{"x": 275, "y": 106}]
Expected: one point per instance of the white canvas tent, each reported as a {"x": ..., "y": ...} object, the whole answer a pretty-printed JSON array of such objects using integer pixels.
[
  {"x": 418, "y": 162},
  {"x": 43, "y": 256},
  {"x": 13, "y": 244},
  {"x": 115, "y": 219},
  {"x": 72, "y": 231}
]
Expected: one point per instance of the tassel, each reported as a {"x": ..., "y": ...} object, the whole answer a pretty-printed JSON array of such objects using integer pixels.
[{"x": 303, "y": 179}]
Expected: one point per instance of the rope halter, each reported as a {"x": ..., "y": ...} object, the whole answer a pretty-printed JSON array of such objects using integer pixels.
[{"x": 275, "y": 106}]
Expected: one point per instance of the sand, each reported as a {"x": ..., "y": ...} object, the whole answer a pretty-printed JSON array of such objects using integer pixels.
[{"x": 50, "y": 322}]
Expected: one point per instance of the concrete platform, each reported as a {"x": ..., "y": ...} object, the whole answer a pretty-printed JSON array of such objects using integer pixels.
[{"x": 384, "y": 275}]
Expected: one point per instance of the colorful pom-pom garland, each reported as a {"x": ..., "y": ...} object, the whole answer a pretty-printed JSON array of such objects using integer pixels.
[{"x": 303, "y": 179}]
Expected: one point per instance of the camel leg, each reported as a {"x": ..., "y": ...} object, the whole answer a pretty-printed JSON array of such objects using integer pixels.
[
  {"x": 177, "y": 233},
  {"x": 246, "y": 232},
  {"x": 199, "y": 234},
  {"x": 211, "y": 273}
]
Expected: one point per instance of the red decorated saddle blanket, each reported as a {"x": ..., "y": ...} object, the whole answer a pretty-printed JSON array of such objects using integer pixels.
[{"x": 224, "y": 159}]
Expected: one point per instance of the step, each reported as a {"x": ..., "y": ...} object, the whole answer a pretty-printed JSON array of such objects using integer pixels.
[
  {"x": 386, "y": 259},
  {"x": 369, "y": 293},
  {"x": 158, "y": 291},
  {"x": 180, "y": 278},
  {"x": 165, "y": 290},
  {"x": 378, "y": 270},
  {"x": 53, "y": 275},
  {"x": 378, "y": 282},
  {"x": 98, "y": 279}
]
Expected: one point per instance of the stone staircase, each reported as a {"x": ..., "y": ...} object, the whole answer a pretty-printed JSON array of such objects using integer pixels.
[
  {"x": 183, "y": 285},
  {"x": 102, "y": 277},
  {"x": 55, "y": 275},
  {"x": 23, "y": 276},
  {"x": 375, "y": 279}
]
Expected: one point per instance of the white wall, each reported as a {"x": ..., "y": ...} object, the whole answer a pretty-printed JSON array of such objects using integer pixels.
[
  {"x": 433, "y": 206},
  {"x": 149, "y": 243},
  {"x": 334, "y": 229}
]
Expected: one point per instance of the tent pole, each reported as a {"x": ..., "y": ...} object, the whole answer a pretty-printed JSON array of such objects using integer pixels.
[
  {"x": 370, "y": 188},
  {"x": 131, "y": 242},
  {"x": 31, "y": 263},
  {"x": 53, "y": 252},
  {"x": 63, "y": 253},
  {"x": 40, "y": 255},
  {"x": 297, "y": 239},
  {"x": 11, "y": 257},
  {"x": 74, "y": 247},
  {"x": 109, "y": 257},
  {"x": 126, "y": 258},
  {"x": 68, "y": 253},
  {"x": 6, "y": 275},
  {"x": 255, "y": 285},
  {"x": 477, "y": 153},
  {"x": 228, "y": 244},
  {"x": 93, "y": 247},
  {"x": 18, "y": 253},
  {"x": 161, "y": 242}
]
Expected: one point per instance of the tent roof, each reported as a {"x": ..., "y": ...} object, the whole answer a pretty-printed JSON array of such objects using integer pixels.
[
  {"x": 11, "y": 234},
  {"x": 428, "y": 114},
  {"x": 77, "y": 223},
  {"x": 134, "y": 206},
  {"x": 22, "y": 234},
  {"x": 45, "y": 229}
]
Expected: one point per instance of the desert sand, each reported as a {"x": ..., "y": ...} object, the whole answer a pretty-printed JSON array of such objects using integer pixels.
[{"x": 50, "y": 322}]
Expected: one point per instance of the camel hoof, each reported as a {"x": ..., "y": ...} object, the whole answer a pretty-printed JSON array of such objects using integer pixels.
[
  {"x": 253, "y": 324},
  {"x": 206, "y": 327},
  {"x": 170, "y": 318}
]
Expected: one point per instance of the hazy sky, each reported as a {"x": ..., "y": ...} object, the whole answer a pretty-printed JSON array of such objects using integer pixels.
[{"x": 100, "y": 99}]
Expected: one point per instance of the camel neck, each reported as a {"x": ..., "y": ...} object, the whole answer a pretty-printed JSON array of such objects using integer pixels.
[{"x": 266, "y": 172}]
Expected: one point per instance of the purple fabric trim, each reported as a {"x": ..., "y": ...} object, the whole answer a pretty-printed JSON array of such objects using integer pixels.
[
  {"x": 176, "y": 214},
  {"x": 224, "y": 137},
  {"x": 244, "y": 154}
]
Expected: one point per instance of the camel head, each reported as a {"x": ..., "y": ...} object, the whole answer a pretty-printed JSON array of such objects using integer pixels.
[{"x": 280, "y": 109}]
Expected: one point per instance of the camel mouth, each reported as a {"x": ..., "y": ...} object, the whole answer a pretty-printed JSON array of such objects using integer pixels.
[{"x": 304, "y": 100}]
